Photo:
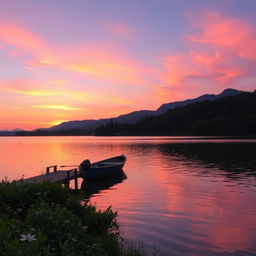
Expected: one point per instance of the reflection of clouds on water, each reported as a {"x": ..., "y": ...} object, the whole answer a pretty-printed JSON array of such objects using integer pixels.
[
  {"x": 205, "y": 214},
  {"x": 186, "y": 196}
]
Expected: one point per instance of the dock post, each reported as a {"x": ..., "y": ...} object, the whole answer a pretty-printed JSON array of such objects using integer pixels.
[
  {"x": 47, "y": 170},
  {"x": 55, "y": 168},
  {"x": 68, "y": 178},
  {"x": 76, "y": 180}
]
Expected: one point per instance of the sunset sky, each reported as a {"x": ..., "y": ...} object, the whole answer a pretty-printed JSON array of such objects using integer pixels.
[{"x": 89, "y": 59}]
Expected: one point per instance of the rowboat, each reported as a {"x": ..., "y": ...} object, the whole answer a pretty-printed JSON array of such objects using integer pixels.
[{"x": 101, "y": 169}]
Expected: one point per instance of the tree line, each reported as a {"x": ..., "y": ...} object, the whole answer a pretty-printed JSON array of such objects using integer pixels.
[{"x": 232, "y": 115}]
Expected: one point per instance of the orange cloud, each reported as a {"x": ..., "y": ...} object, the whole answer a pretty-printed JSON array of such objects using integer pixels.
[
  {"x": 59, "y": 82},
  {"x": 100, "y": 63},
  {"x": 95, "y": 60},
  {"x": 25, "y": 117},
  {"x": 31, "y": 104},
  {"x": 91, "y": 96},
  {"x": 58, "y": 107},
  {"x": 26, "y": 86}
]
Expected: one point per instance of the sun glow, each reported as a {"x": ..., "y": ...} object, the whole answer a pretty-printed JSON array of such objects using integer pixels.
[
  {"x": 58, "y": 107},
  {"x": 56, "y": 122},
  {"x": 101, "y": 66}
]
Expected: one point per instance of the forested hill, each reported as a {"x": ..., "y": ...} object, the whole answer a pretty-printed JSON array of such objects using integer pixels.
[{"x": 232, "y": 115}]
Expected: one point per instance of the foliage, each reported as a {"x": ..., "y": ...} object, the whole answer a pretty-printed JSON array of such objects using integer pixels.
[
  {"x": 47, "y": 219},
  {"x": 40, "y": 132},
  {"x": 228, "y": 116}
]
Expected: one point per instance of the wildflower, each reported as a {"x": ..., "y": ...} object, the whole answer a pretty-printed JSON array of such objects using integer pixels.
[{"x": 27, "y": 237}]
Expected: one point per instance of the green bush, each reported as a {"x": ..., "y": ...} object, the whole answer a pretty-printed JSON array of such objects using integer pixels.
[{"x": 48, "y": 219}]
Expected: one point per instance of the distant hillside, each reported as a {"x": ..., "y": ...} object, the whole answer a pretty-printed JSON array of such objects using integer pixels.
[
  {"x": 209, "y": 97},
  {"x": 9, "y": 132},
  {"x": 92, "y": 124},
  {"x": 230, "y": 115},
  {"x": 133, "y": 117}
]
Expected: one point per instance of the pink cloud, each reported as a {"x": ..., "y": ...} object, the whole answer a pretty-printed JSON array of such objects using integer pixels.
[
  {"x": 222, "y": 54},
  {"x": 103, "y": 63},
  {"x": 21, "y": 39},
  {"x": 99, "y": 61},
  {"x": 231, "y": 33},
  {"x": 120, "y": 30},
  {"x": 27, "y": 87},
  {"x": 93, "y": 61},
  {"x": 214, "y": 65}
]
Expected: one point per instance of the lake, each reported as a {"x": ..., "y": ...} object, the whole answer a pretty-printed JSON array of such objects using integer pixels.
[{"x": 185, "y": 195}]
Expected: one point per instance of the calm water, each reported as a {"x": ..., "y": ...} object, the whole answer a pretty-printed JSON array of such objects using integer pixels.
[{"x": 187, "y": 196}]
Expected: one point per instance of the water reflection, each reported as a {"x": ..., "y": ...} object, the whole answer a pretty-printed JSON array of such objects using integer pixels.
[
  {"x": 92, "y": 187},
  {"x": 188, "y": 196},
  {"x": 233, "y": 160}
]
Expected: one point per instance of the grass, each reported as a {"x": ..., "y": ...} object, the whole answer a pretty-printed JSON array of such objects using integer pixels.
[{"x": 50, "y": 220}]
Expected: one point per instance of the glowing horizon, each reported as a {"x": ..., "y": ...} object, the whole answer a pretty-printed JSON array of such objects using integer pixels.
[{"x": 91, "y": 60}]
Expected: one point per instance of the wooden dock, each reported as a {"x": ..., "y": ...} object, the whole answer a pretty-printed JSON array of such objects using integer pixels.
[{"x": 57, "y": 176}]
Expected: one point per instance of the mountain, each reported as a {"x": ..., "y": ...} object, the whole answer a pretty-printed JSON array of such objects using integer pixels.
[
  {"x": 225, "y": 116},
  {"x": 77, "y": 124},
  {"x": 9, "y": 132},
  {"x": 209, "y": 97},
  {"x": 92, "y": 124},
  {"x": 13, "y": 130},
  {"x": 137, "y": 115}
]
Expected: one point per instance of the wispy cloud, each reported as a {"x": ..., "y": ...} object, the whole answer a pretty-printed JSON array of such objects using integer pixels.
[
  {"x": 97, "y": 60},
  {"x": 27, "y": 86},
  {"x": 222, "y": 52},
  {"x": 58, "y": 107},
  {"x": 23, "y": 41},
  {"x": 120, "y": 30},
  {"x": 229, "y": 33}
]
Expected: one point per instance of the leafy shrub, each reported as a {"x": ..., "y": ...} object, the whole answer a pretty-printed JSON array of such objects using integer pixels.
[{"x": 50, "y": 220}]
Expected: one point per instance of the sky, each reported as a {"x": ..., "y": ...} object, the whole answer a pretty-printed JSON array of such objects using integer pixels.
[{"x": 90, "y": 59}]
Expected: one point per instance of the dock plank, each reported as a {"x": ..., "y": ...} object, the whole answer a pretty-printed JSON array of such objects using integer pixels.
[{"x": 56, "y": 177}]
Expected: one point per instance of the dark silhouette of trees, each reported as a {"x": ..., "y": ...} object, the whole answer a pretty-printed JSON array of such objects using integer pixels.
[
  {"x": 232, "y": 115},
  {"x": 227, "y": 116},
  {"x": 76, "y": 132}
]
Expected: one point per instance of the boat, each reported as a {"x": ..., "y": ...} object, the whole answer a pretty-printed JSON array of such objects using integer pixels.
[{"x": 101, "y": 169}]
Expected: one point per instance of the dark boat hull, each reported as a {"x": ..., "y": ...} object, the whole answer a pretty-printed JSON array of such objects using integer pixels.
[{"x": 104, "y": 168}]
